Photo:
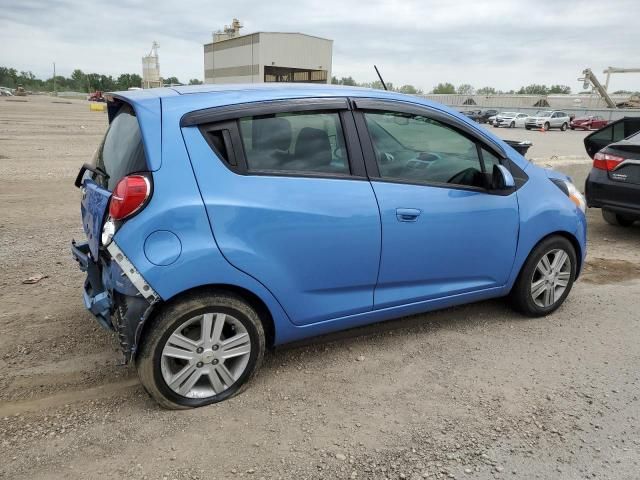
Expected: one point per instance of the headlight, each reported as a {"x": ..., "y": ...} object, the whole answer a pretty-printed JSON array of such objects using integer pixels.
[{"x": 572, "y": 192}]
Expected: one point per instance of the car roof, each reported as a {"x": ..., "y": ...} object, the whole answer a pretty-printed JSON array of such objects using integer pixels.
[{"x": 260, "y": 91}]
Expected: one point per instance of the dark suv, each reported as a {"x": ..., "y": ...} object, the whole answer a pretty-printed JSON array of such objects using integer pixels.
[{"x": 614, "y": 181}]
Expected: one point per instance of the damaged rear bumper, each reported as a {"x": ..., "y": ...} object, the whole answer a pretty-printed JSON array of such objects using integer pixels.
[{"x": 116, "y": 293}]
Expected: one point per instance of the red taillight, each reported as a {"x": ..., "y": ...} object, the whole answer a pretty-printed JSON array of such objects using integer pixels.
[
  {"x": 605, "y": 161},
  {"x": 129, "y": 196}
]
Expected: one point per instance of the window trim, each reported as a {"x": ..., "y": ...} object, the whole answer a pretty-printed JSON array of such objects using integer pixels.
[{"x": 252, "y": 109}]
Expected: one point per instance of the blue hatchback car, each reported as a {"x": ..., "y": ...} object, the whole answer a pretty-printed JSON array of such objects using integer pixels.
[{"x": 223, "y": 220}]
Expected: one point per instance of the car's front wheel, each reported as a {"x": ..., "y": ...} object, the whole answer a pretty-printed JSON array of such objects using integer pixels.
[
  {"x": 201, "y": 349},
  {"x": 546, "y": 277},
  {"x": 616, "y": 219}
]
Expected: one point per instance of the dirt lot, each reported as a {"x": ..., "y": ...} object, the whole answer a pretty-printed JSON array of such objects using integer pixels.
[{"x": 469, "y": 392}]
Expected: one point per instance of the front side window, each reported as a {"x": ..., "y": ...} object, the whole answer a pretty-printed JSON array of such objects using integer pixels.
[
  {"x": 297, "y": 142},
  {"x": 419, "y": 149}
]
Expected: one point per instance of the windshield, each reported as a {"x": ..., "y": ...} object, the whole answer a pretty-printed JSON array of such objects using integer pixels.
[
  {"x": 544, "y": 113},
  {"x": 508, "y": 114}
]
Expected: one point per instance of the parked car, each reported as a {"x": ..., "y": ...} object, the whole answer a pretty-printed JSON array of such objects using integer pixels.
[
  {"x": 485, "y": 115},
  {"x": 510, "y": 119},
  {"x": 592, "y": 122},
  {"x": 491, "y": 120},
  {"x": 548, "y": 119},
  {"x": 613, "y": 183},
  {"x": 5, "y": 92},
  {"x": 475, "y": 115},
  {"x": 221, "y": 221}
]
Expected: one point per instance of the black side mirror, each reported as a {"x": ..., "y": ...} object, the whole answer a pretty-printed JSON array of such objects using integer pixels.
[{"x": 501, "y": 178}]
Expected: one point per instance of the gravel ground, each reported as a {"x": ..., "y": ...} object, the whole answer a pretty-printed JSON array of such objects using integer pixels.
[{"x": 469, "y": 392}]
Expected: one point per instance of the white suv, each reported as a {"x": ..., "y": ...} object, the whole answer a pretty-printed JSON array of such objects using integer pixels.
[{"x": 546, "y": 119}]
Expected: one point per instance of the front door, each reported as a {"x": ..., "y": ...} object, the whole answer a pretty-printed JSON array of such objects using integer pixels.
[{"x": 443, "y": 232}]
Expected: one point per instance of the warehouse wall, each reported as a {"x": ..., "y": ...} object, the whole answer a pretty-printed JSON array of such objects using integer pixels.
[
  {"x": 234, "y": 61},
  {"x": 295, "y": 50},
  {"x": 242, "y": 59}
]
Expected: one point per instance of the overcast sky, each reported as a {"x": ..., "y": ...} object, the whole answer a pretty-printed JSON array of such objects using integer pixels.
[{"x": 500, "y": 43}]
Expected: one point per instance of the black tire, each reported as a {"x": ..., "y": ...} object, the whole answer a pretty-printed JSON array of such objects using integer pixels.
[
  {"x": 512, "y": 125},
  {"x": 528, "y": 128},
  {"x": 573, "y": 128},
  {"x": 616, "y": 219},
  {"x": 148, "y": 361},
  {"x": 546, "y": 127},
  {"x": 563, "y": 127},
  {"x": 521, "y": 297}
]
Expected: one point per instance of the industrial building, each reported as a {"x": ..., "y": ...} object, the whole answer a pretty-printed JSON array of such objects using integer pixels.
[
  {"x": 151, "y": 68},
  {"x": 266, "y": 57}
]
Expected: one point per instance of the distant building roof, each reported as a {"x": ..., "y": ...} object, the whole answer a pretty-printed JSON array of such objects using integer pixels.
[{"x": 280, "y": 33}]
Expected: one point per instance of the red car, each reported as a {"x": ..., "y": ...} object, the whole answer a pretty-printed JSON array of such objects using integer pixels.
[{"x": 592, "y": 122}]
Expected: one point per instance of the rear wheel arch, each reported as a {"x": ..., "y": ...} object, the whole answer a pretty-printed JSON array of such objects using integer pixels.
[{"x": 251, "y": 298}]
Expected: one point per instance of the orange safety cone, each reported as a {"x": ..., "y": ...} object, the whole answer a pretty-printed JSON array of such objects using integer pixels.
[{"x": 542, "y": 129}]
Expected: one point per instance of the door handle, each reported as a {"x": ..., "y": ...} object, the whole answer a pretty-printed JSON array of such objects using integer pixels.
[{"x": 407, "y": 214}]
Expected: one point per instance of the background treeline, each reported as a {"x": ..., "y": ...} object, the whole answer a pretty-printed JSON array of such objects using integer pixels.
[
  {"x": 89, "y": 82},
  {"x": 77, "y": 82},
  {"x": 464, "y": 89}
]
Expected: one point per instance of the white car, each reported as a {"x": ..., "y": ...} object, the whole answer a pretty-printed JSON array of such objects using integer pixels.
[
  {"x": 547, "y": 119},
  {"x": 510, "y": 119}
]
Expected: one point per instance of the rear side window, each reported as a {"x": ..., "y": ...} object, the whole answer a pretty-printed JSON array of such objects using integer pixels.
[
  {"x": 295, "y": 142},
  {"x": 121, "y": 152}
]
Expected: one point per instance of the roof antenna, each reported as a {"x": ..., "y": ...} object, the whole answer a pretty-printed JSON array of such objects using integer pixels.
[{"x": 380, "y": 77}]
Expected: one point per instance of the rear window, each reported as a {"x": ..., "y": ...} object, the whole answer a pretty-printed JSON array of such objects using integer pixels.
[{"x": 121, "y": 153}]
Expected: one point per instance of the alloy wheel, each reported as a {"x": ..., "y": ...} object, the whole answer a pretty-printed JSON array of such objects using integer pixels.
[
  {"x": 205, "y": 355},
  {"x": 550, "y": 278}
]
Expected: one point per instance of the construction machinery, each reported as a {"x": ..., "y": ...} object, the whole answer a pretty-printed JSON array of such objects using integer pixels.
[
  {"x": 20, "y": 91},
  {"x": 589, "y": 79},
  {"x": 96, "y": 96}
]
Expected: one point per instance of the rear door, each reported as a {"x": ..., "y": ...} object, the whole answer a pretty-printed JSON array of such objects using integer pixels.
[
  {"x": 289, "y": 202},
  {"x": 443, "y": 232}
]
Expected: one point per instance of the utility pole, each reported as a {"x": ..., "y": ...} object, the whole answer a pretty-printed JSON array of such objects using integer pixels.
[{"x": 55, "y": 92}]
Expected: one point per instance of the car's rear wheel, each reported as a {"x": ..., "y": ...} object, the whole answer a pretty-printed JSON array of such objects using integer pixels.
[
  {"x": 563, "y": 127},
  {"x": 546, "y": 277},
  {"x": 616, "y": 219},
  {"x": 201, "y": 349}
]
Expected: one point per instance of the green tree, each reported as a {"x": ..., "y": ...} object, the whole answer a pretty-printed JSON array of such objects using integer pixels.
[
  {"x": 444, "y": 88},
  {"x": 128, "y": 80},
  {"x": 565, "y": 89},
  {"x": 8, "y": 77},
  {"x": 486, "y": 91},
  {"x": 78, "y": 80},
  {"x": 195, "y": 81},
  {"x": 533, "y": 89},
  {"x": 466, "y": 89},
  {"x": 172, "y": 81},
  {"x": 410, "y": 89}
]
